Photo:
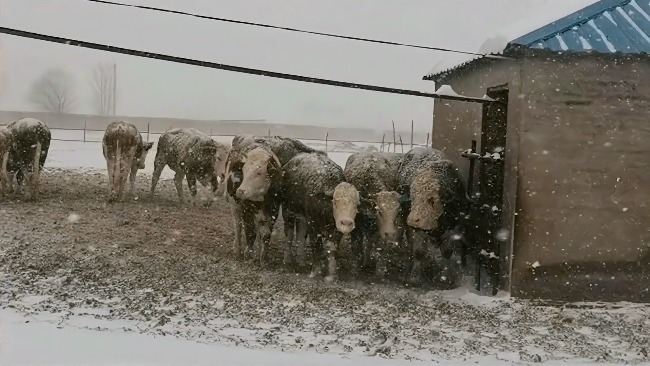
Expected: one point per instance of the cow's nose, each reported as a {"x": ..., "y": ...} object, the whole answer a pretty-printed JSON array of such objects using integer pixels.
[
  {"x": 240, "y": 192},
  {"x": 346, "y": 223}
]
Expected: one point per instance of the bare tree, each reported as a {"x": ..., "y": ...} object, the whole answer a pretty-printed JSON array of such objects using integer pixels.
[
  {"x": 104, "y": 82},
  {"x": 54, "y": 91}
]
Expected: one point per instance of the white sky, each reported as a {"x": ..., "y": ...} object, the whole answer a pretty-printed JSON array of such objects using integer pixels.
[{"x": 156, "y": 88}]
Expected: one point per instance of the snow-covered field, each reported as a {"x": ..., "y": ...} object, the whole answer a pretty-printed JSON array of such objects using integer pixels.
[{"x": 154, "y": 283}]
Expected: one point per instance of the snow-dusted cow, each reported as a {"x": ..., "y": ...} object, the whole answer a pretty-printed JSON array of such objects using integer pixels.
[
  {"x": 125, "y": 153},
  {"x": 193, "y": 154},
  {"x": 6, "y": 141},
  {"x": 380, "y": 220},
  {"x": 31, "y": 143},
  {"x": 436, "y": 201}
]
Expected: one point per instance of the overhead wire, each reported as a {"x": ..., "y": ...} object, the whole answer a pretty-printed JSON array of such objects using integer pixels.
[
  {"x": 263, "y": 25},
  {"x": 233, "y": 68}
]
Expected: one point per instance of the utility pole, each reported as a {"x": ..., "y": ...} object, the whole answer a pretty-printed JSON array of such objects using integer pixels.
[{"x": 114, "y": 88}]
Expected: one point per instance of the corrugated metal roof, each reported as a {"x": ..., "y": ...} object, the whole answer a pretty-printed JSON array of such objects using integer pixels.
[{"x": 607, "y": 26}]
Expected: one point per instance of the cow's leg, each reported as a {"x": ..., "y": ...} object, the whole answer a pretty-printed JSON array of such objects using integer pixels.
[
  {"x": 270, "y": 215},
  {"x": 132, "y": 174},
  {"x": 125, "y": 166},
  {"x": 418, "y": 252},
  {"x": 317, "y": 252},
  {"x": 35, "y": 181},
  {"x": 20, "y": 177},
  {"x": 237, "y": 220},
  {"x": 178, "y": 181},
  {"x": 332, "y": 243},
  {"x": 250, "y": 232},
  {"x": 191, "y": 185},
  {"x": 110, "y": 168},
  {"x": 380, "y": 253},
  {"x": 265, "y": 220},
  {"x": 356, "y": 244},
  {"x": 10, "y": 182},
  {"x": 158, "y": 166},
  {"x": 301, "y": 240},
  {"x": 290, "y": 221}
]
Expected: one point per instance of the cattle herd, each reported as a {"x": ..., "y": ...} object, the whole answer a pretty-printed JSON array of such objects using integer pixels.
[{"x": 407, "y": 208}]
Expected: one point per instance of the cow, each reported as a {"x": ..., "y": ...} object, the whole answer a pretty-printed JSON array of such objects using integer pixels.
[
  {"x": 380, "y": 221},
  {"x": 434, "y": 195},
  {"x": 125, "y": 153},
  {"x": 284, "y": 149},
  {"x": 309, "y": 185},
  {"x": 6, "y": 142},
  {"x": 193, "y": 154},
  {"x": 31, "y": 143},
  {"x": 254, "y": 186}
]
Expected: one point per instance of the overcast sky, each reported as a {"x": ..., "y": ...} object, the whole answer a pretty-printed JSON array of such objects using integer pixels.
[{"x": 157, "y": 88}]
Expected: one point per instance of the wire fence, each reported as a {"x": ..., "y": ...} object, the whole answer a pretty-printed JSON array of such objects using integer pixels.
[{"x": 94, "y": 135}]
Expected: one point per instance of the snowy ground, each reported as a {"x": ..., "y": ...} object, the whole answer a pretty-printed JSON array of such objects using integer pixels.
[{"x": 151, "y": 282}]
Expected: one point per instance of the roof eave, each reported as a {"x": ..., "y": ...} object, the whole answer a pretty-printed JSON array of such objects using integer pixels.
[{"x": 510, "y": 52}]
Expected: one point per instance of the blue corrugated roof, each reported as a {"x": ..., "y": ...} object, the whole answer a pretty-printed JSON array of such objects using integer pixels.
[{"x": 607, "y": 26}]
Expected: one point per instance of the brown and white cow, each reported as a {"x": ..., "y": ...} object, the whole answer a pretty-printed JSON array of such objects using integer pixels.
[
  {"x": 284, "y": 149},
  {"x": 6, "y": 142},
  {"x": 125, "y": 153},
  {"x": 309, "y": 189},
  {"x": 434, "y": 195},
  {"x": 31, "y": 143},
  {"x": 379, "y": 219},
  {"x": 193, "y": 154}
]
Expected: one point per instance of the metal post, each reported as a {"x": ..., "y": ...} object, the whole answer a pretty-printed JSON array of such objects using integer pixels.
[
  {"x": 327, "y": 135},
  {"x": 148, "y": 131},
  {"x": 85, "y": 130}
]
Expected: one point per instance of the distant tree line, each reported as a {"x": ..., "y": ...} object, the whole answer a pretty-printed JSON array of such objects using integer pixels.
[{"x": 57, "y": 90}]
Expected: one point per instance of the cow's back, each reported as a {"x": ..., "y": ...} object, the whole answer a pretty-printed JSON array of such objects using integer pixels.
[
  {"x": 372, "y": 172},
  {"x": 124, "y": 134},
  {"x": 306, "y": 178},
  {"x": 183, "y": 149},
  {"x": 26, "y": 133},
  {"x": 414, "y": 160}
]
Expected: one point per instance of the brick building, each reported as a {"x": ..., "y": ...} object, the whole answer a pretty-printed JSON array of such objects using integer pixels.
[{"x": 567, "y": 207}]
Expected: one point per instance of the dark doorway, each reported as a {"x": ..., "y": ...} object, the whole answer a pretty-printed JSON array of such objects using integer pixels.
[{"x": 487, "y": 234}]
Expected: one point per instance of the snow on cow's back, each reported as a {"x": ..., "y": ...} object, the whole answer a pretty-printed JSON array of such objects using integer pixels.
[
  {"x": 23, "y": 125},
  {"x": 317, "y": 172}
]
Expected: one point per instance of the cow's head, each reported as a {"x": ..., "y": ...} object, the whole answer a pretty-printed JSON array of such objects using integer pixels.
[
  {"x": 388, "y": 210},
  {"x": 146, "y": 147},
  {"x": 260, "y": 168},
  {"x": 220, "y": 158},
  {"x": 346, "y": 203},
  {"x": 426, "y": 206}
]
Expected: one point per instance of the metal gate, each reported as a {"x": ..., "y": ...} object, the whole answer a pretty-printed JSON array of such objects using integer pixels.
[{"x": 486, "y": 229}]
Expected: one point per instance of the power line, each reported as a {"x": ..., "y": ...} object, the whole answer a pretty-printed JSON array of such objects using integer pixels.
[
  {"x": 240, "y": 69},
  {"x": 178, "y": 12}
]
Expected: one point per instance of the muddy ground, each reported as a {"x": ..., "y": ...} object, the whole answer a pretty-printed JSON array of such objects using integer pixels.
[{"x": 163, "y": 268}]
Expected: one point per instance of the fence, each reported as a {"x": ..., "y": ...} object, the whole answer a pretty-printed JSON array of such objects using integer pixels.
[
  {"x": 90, "y": 135},
  {"x": 257, "y": 127}
]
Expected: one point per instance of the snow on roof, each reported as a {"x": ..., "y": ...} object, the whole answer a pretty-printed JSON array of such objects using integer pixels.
[
  {"x": 499, "y": 40},
  {"x": 608, "y": 26}
]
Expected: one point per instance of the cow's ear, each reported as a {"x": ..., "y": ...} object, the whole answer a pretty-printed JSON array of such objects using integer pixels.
[
  {"x": 147, "y": 146},
  {"x": 329, "y": 194},
  {"x": 273, "y": 167}
]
